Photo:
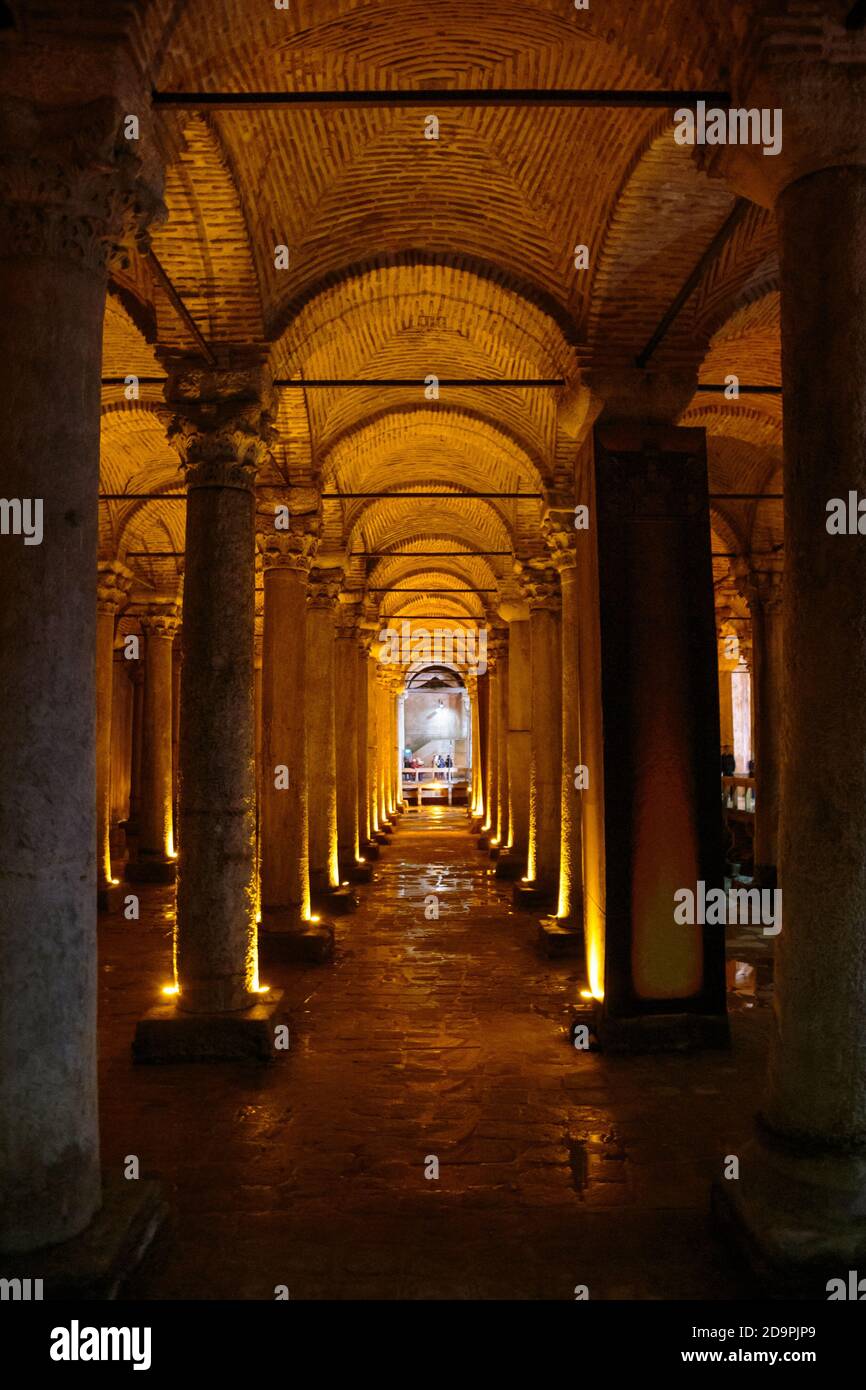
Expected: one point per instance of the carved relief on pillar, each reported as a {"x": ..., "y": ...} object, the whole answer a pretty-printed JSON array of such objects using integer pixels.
[
  {"x": 113, "y": 585},
  {"x": 72, "y": 187}
]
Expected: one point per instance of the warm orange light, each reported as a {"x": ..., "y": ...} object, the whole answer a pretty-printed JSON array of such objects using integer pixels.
[
  {"x": 586, "y": 994},
  {"x": 171, "y": 989},
  {"x": 314, "y": 919},
  {"x": 262, "y": 989}
]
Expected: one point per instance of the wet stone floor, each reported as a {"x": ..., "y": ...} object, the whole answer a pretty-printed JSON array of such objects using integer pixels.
[{"x": 425, "y": 1038}]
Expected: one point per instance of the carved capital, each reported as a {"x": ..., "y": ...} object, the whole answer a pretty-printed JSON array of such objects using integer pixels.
[
  {"x": 222, "y": 426},
  {"x": 72, "y": 187},
  {"x": 160, "y": 618},
  {"x": 288, "y": 550},
  {"x": 113, "y": 584},
  {"x": 324, "y": 587},
  {"x": 539, "y": 585},
  {"x": 560, "y": 537},
  {"x": 349, "y": 607}
]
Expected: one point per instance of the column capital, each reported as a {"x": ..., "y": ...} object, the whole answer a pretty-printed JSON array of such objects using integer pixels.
[
  {"x": 807, "y": 73},
  {"x": 72, "y": 186},
  {"x": 113, "y": 584},
  {"x": 758, "y": 586},
  {"x": 222, "y": 422},
  {"x": 324, "y": 587},
  {"x": 159, "y": 617},
  {"x": 294, "y": 549},
  {"x": 349, "y": 606},
  {"x": 539, "y": 584},
  {"x": 560, "y": 537}
]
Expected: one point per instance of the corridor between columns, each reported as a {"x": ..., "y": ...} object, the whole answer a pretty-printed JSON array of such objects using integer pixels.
[{"x": 431, "y": 1037}]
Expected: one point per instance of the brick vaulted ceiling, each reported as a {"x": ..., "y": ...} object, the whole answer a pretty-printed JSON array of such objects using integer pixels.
[{"x": 455, "y": 256}]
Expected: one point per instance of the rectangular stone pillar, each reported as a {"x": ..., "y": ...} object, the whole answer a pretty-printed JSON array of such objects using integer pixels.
[{"x": 655, "y": 690}]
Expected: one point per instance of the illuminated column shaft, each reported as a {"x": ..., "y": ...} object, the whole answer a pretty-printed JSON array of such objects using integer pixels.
[
  {"x": 63, "y": 203},
  {"x": 361, "y": 735},
  {"x": 545, "y": 794},
  {"x": 401, "y": 743},
  {"x": 372, "y": 685},
  {"x": 382, "y": 749},
  {"x": 346, "y": 698},
  {"x": 121, "y": 737},
  {"x": 502, "y": 828},
  {"x": 519, "y": 733},
  {"x": 492, "y": 751},
  {"x": 321, "y": 730},
  {"x": 111, "y": 594},
  {"x": 285, "y": 878},
  {"x": 570, "y": 904},
  {"x": 765, "y": 602},
  {"x": 156, "y": 815},
  {"x": 215, "y": 941}
]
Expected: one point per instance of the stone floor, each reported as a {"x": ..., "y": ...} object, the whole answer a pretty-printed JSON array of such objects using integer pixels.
[{"x": 443, "y": 1038}]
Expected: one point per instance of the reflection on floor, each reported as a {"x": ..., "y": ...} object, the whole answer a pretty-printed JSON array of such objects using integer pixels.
[{"x": 428, "y": 1037}]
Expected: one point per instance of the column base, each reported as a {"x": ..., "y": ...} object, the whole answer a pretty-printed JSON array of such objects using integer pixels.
[
  {"x": 798, "y": 1219},
  {"x": 495, "y": 851},
  {"x": 309, "y": 942},
  {"x": 109, "y": 897},
  {"x": 386, "y": 830},
  {"x": 95, "y": 1263},
  {"x": 151, "y": 871},
  {"x": 167, "y": 1034},
  {"x": 556, "y": 940},
  {"x": 532, "y": 897},
  {"x": 510, "y": 866},
  {"x": 335, "y": 902},
  {"x": 370, "y": 849},
  {"x": 641, "y": 1033},
  {"x": 358, "y": 873}
]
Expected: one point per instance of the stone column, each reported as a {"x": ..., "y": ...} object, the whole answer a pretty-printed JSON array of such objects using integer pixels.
[
  {"x": 112, "y": 590},
  {"x": 401, "y": 744},
  {"x": 70, "y": 191},
  {"x": 382, "y": 759},
  {"x": 365, "y": 844},
  {"x": 512, "y": 864},
  {"x": 377, "y": 828},
  {"x": 540, "y": 890},
  {"x": 564, "y": 935},
  {"x": 288, "y": 930},
  {"x": 346, "y": 699},
  {"x": 501, "y": 828},
  {"x": 801, "y": 1198},
  {"x": 491, "y": 752},
  {"x": 325, "y": 884},
  {"x": 121, "y": 744},
  {"x": 476, "y": 801},
  {"x": 763, "y": 591},
  {"x": 218, "y": 1009},
  {"x": 176, "y": 666},
  {"x": 155, "y": 859},
  {"x": 137, "y": 747}
]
